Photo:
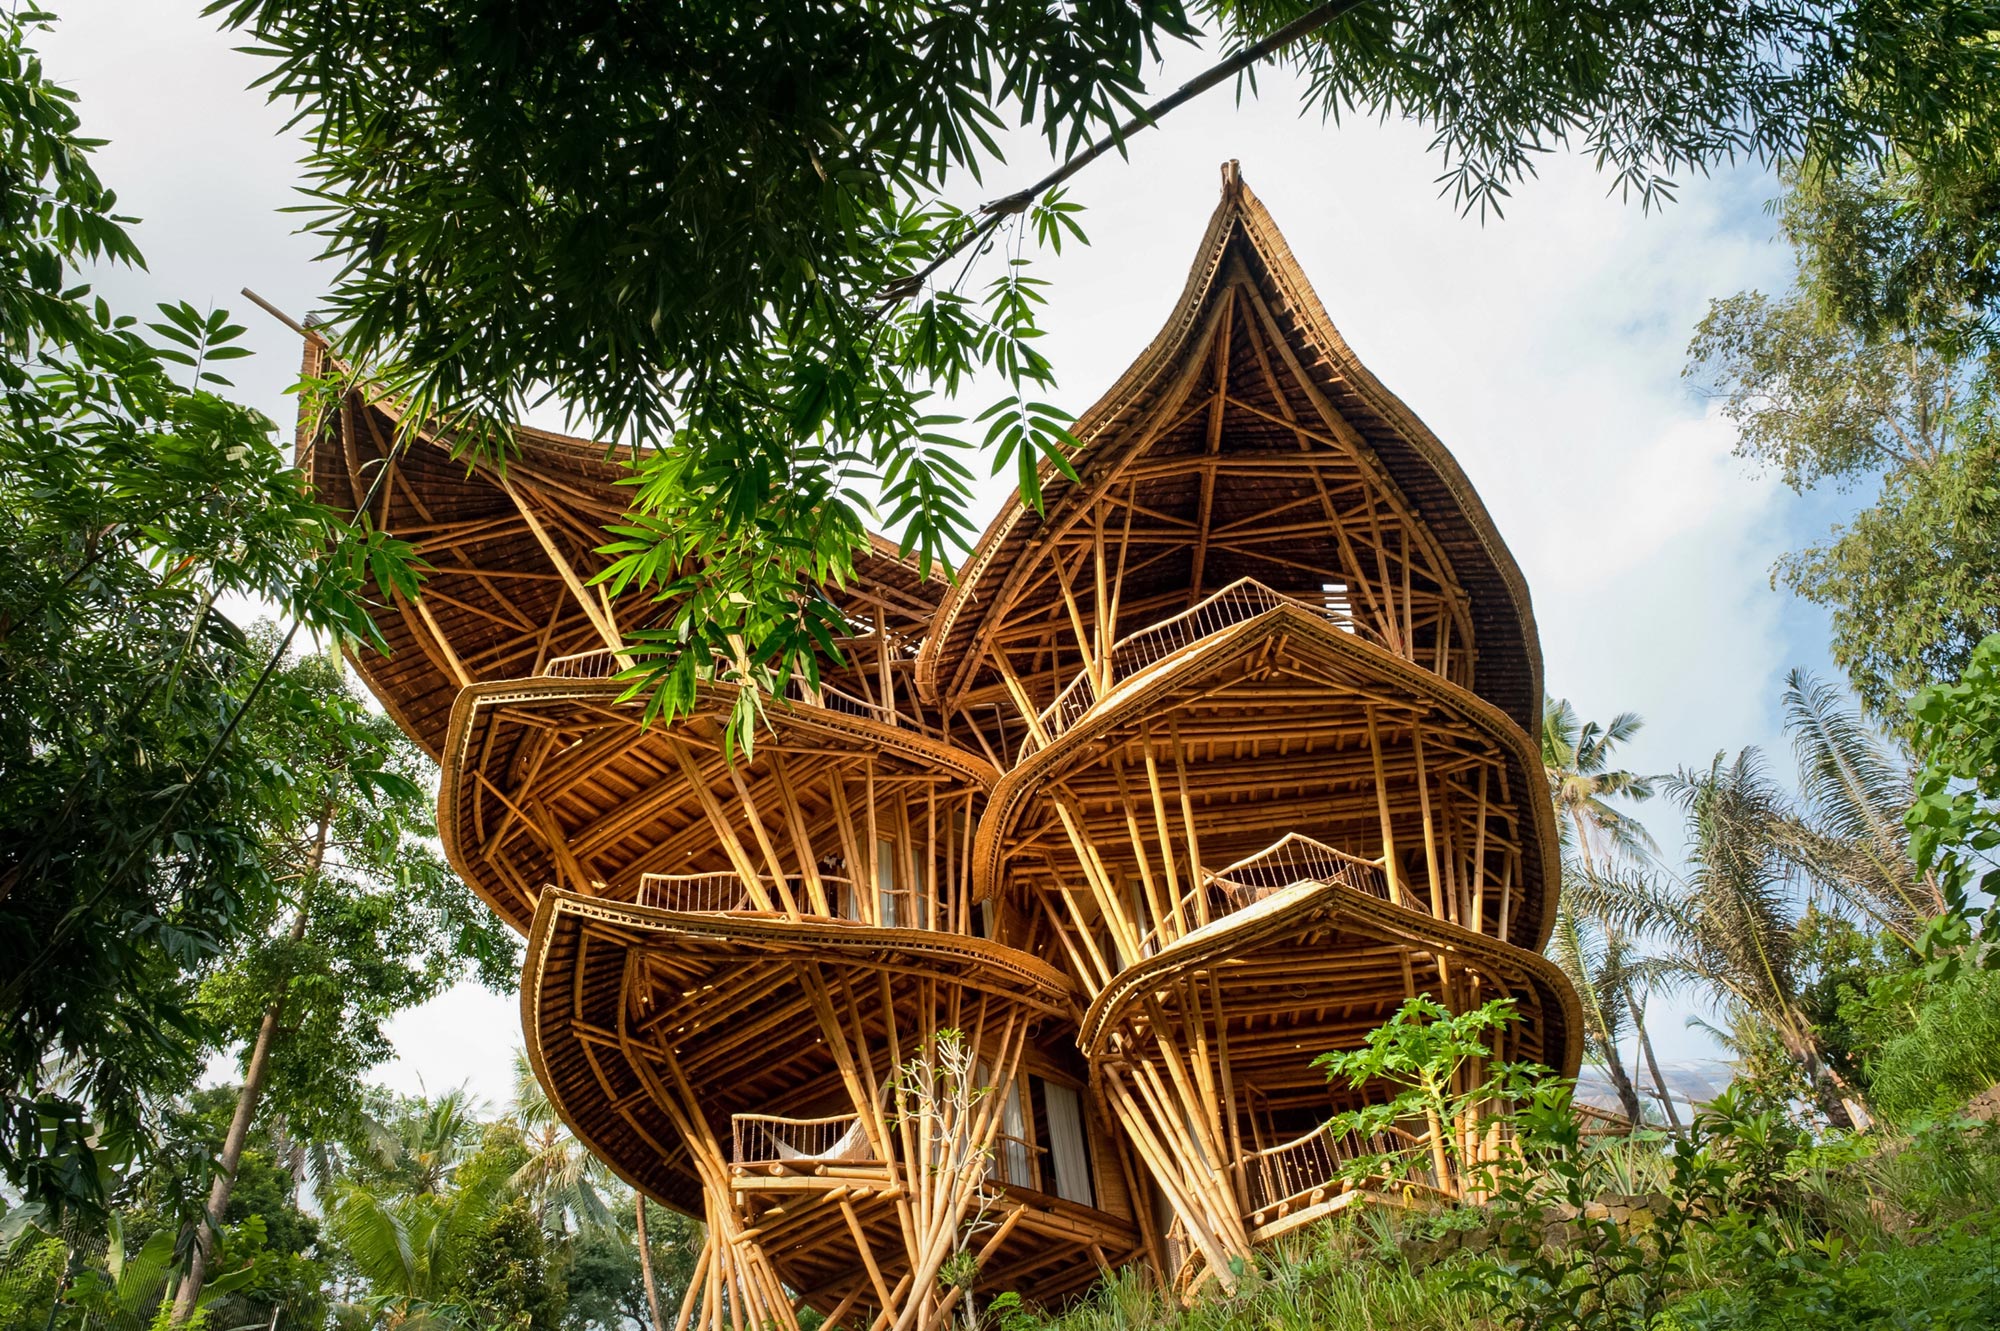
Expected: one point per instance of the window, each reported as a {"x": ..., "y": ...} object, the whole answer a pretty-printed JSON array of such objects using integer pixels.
[{"x": 1069, "y": 1152}]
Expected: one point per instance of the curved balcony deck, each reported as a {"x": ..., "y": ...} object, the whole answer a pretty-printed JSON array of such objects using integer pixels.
[
  {"x": 1292, "y": 860},
  {"x": 1242, "y": 600},
  {"x": 603, "y": 663}
]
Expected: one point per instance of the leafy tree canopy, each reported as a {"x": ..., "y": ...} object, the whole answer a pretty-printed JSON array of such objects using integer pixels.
[
  {"x": 1955, "y": 822},
  {"x": 735, "y": 237},
  {"x": 1865, "y": 372},
  {"x": 134, "y": 498}
]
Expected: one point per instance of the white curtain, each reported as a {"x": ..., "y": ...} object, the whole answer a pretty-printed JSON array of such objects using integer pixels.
[
  {"x": 1066, "y": 1150},
  {"x": 885, "y": 882},
  {"x": 1014, "y": 1149}
]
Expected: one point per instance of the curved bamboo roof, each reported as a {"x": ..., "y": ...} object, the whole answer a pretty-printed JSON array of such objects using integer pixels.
[
  {"x": 1249, "y": 326},
  {"x": 560, "y": 780},
  {"x": 495, "y": 604},
  {"x": 1269, "y": 944},
  {"x": 709, "y": 977}
]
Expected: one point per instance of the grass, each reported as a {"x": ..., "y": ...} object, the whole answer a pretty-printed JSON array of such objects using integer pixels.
[{"x": 1892, "y": 1234}]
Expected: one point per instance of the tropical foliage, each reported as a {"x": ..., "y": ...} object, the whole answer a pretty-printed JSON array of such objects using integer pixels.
[
  {"x": 1876, "y": 369},
  {"x": 424, "y": 1213},
  {"x": 1743, "y": 1222},
  {"x": 136, "y": 503},
  {"x": 518, "y": 195}
]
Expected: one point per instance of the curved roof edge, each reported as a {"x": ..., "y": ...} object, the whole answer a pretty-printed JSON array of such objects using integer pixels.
[
  {"x": 1008, "y": 795},
  {"x": 1292, "y": 907},
  {"x": 1241, "y": 211}
]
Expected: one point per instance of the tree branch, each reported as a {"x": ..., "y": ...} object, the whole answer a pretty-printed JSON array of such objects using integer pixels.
[{"x": 993, "y": 213}]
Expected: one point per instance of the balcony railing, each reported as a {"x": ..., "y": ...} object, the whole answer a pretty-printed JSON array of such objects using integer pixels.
[
  {"x": 1293, "y": 859},
  {"x": 602, "y": 663},
  {"x": 839, "y": 700},
  {"x": 598, "y": 663},
  {"x": 770, "y": 1139},
  {"x": 1292, "y": 1171},
  {"x": 725, "y": 892},
  {"x": 1246, "y": 598}
]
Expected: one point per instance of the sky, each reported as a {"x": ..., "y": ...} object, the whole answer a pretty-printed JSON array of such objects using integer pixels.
[{"x": 1545, "y": 350}]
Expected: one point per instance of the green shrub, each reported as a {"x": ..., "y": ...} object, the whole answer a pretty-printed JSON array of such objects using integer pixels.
[{"x": 1941, "y": 1048}]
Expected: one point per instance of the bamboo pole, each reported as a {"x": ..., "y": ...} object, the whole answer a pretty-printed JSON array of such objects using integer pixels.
[
  {"x": 740, "y": 859},
  {"x": 1424, "y": 801},
  {"x": 591, "y": 611},
  {"x": 1195, "y": 883}
]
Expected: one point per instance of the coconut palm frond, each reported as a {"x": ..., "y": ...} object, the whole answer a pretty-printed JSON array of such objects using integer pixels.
[
  {"x": 1853, "y": 786},
  {"x": 563, "y": 1180},
  {"x": 375, "y": 1234},
  {"x": 531, "y": 1102},
  {"x": 1856, "y": 789}
]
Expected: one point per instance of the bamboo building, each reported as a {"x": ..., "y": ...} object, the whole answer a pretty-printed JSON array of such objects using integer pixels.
[{"x": 1191, "y": 776}]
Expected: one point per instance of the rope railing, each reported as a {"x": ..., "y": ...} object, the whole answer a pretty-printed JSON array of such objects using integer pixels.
[
  {"x": 762, "y": 1139},
  {"x": 724, "y": 891},
  {"x": 1246, "y": 598}
]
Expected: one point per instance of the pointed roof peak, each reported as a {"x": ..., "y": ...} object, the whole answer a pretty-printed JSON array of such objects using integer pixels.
[{"x": 1247, "y": 292}]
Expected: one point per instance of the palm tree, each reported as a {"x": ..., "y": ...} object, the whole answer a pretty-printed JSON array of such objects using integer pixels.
[
  {"x": 1730, "y": 922},
  {"x": 1595, "y": 959},
  {"x": 561, "y": 1179},
  {"x": 422, "y": 1150},
  {"x": 1576, "y": 759},
  {"x": 565, "y": 1181},
  {"x": 1855, "y": 791},
  {"x": 408, "y": 1246}
]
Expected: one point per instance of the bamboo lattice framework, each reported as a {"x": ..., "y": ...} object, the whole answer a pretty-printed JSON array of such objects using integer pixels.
[{"x": 1008, "y": 947}]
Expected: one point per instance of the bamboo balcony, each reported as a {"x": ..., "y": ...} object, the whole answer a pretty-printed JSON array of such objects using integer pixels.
[
  {"x": 1283, "y": 1180},
  {"x": 602, "y": 663},
  {"x": 727, "y": 892},
  {"x": 801, "y": 1144},
  {"x": 1242, "y": 600},
  {"x": 597, "y": 663},
  {"x": 1293, "y": 860}
]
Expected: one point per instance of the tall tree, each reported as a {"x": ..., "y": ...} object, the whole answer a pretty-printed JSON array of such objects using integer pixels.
[
  {"x": 561, "y": 1178},
  {"x": 1869, "y": 372},
  {"x": 736, "y": 236},
  {"x": 1597, "y": 840},
  {"x": 135, "y": 500},
  {"x": 1729, "y": 922},
  {"x": 372, "y": 921},
  {"x": 1594, "y": 960}
]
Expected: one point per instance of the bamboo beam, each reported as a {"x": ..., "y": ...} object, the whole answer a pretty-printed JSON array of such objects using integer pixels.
[
  {"x": 1224, "y": 330},
  {"x": 591, "y": 611},
  {"x": 746, "y": 869},
  {"x": 1424, "y": 801}
]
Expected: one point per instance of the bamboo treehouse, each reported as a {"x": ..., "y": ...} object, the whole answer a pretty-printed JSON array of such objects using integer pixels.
[{"x": 1004, "y": 959}]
